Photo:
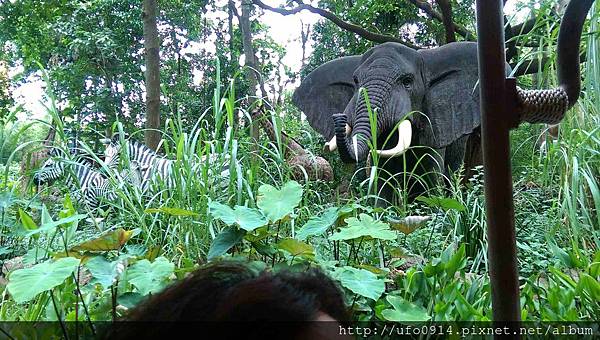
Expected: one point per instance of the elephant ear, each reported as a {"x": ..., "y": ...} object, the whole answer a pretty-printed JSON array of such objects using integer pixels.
[
  {"x": 325, "y": 91},
  {"x": 451, "y": 102}
]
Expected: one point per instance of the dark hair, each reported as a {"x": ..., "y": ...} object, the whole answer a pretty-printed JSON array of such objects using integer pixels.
[{"x": 233, "y": 292}]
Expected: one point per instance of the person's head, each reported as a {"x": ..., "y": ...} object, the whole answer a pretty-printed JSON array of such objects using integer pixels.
[{"x": 232, "y": 292}]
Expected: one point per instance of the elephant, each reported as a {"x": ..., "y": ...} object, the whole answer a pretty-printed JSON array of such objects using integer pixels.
[
  {"x": 441, "y": 83},
  {"x": 425, "y": 104}
]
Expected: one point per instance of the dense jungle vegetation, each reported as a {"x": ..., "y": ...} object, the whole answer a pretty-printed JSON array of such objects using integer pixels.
[{"x": 64, "y": 261}]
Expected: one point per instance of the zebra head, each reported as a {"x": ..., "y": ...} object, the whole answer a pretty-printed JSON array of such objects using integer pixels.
[{"x": 52, "y": 169}]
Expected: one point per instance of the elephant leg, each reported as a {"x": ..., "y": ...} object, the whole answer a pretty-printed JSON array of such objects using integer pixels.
[
  {"x": 455, "y": 155},
  {"x": 473, "y": 155},
  {"x": 423, "y": 170}
]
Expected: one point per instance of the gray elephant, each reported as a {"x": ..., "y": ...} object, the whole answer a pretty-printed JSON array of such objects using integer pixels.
[
  {"x": 440, "y": 83},
  {"x": 426, "y": 99}
]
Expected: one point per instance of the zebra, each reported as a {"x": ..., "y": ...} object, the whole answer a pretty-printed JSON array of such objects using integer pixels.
[
  {"x": 81, "y": 178},
  {"x": 149, "y": 165}
]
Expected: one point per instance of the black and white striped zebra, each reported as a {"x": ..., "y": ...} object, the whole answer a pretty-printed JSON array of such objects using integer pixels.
[
  {"x": 150, "y": 165},
  {"x": 81, "y": 178}
]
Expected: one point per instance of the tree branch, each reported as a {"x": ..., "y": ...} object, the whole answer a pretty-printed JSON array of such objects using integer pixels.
[
  {"x": 446, "y": 9},
  {"x": 371, "y": 36},
  {"x": 524, "y": 27},
  {"x": 426, "y": 7}
]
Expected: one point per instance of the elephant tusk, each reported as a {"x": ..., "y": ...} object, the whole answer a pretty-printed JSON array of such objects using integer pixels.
[
  {"x": 404, "y": 139},
  {"x": 355, "y": 146},
  {"x": 331, "y": 146}
]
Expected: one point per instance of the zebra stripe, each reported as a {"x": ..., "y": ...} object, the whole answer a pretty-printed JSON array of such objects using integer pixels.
[
  {"x": 148, "y": 163},
  {"x": 81, "y": 179}
]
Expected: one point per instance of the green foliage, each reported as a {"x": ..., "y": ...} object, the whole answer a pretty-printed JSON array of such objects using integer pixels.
[
  {"x": 404, "y": 311},
  {"x": 363, "y": 226},
  {"x": 360, "y": 281},
  {"x": 279, "y": 204},
  {"x": 246, "y": 218},
  {"x": 26, "y": 284},
  {"x": 150, "y": 277},
  {"x": 425, "y": 260}
]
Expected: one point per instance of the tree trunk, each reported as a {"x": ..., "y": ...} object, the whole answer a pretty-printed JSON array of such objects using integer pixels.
[
  {"x": 446, "y": 11},
  {"x": 151, "y": 45},
  {"x": 251, "y": 61}
]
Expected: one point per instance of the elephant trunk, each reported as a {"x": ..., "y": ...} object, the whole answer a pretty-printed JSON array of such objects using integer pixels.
[
  {"x": 354, "y": 148},
  {"x": 549, "y": 106}
]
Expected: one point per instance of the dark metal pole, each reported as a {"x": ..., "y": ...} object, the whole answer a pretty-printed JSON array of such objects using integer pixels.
[{"x": 497, "y": 116}]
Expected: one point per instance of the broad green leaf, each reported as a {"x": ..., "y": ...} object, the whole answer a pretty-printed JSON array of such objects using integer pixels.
[
  {"x": 433, "y": 268},
  {"x": 365, "y": 225},
  {"x": 171, "y": 211},
  {"x": 25, "y": 284},
  {"x": 224, "y": 241},
  {"x": 150, "y": 277},
  {"x": 69, "y": 209},
  {"x": 409, "y": 224},
  {"x": 456, "y": 261},
  {"x": 443, "y": 203},
  {"x": 113, "y": 240},
  {"x": 360, "y": 281},
  {"x": 259, "y": 234},
  {"x": 46, "y": 218},
  {"x": 589, "y": 285},
  {"x": 404, "y": 311},
  {"x": 296, "y": 248},
  {"x": 278, "y": 204},
  {"x": 466, "y": 310},
  {"x": 35, "y": 255},
  {"x": 103, "y": 271},
  {"x": 264, "y": 248},
  {"x": 51, "y": 225},
  {"x": 562, "y": 255},
  {"x": 26, "y": 220},
  {"x": 247, "y": 218},
  {"x": 317, "y": 225}
]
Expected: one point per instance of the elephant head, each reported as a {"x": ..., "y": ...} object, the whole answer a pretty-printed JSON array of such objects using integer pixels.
[{"x": 441, "y": 83}]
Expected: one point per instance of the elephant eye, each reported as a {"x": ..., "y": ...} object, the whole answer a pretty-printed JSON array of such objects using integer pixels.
[
  {"x": 355, "y": 80},
  {"x": 407, "y": 81}
]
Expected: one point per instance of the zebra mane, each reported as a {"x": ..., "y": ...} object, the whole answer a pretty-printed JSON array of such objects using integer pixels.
[{"x": 144, "y": 147}]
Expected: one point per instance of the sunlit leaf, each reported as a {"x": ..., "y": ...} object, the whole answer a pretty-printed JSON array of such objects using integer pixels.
[
  {"x": 225, "y": 240},
  {"x": 150, "y": 277},
  {"x": 25, "y": 284},
  {"x": 365, "y": 225},
  {"x": 360, "y": 281},
  {"x": 247, "y": 218},
  {"x": 456, "y": 261},
  {"x": 113, "y": 240},
  {"x": 26, "y": 220},
  {"x": 171, "y": 211},
  {"x": 278, "y": 204},
  {"x": 296, "y": 248},
  {"x": 103, "y": 271},
  {"x": 317, "y": 225},
  {"x": 404, "y": 311},
  {"x": 409, "y": 224}
]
